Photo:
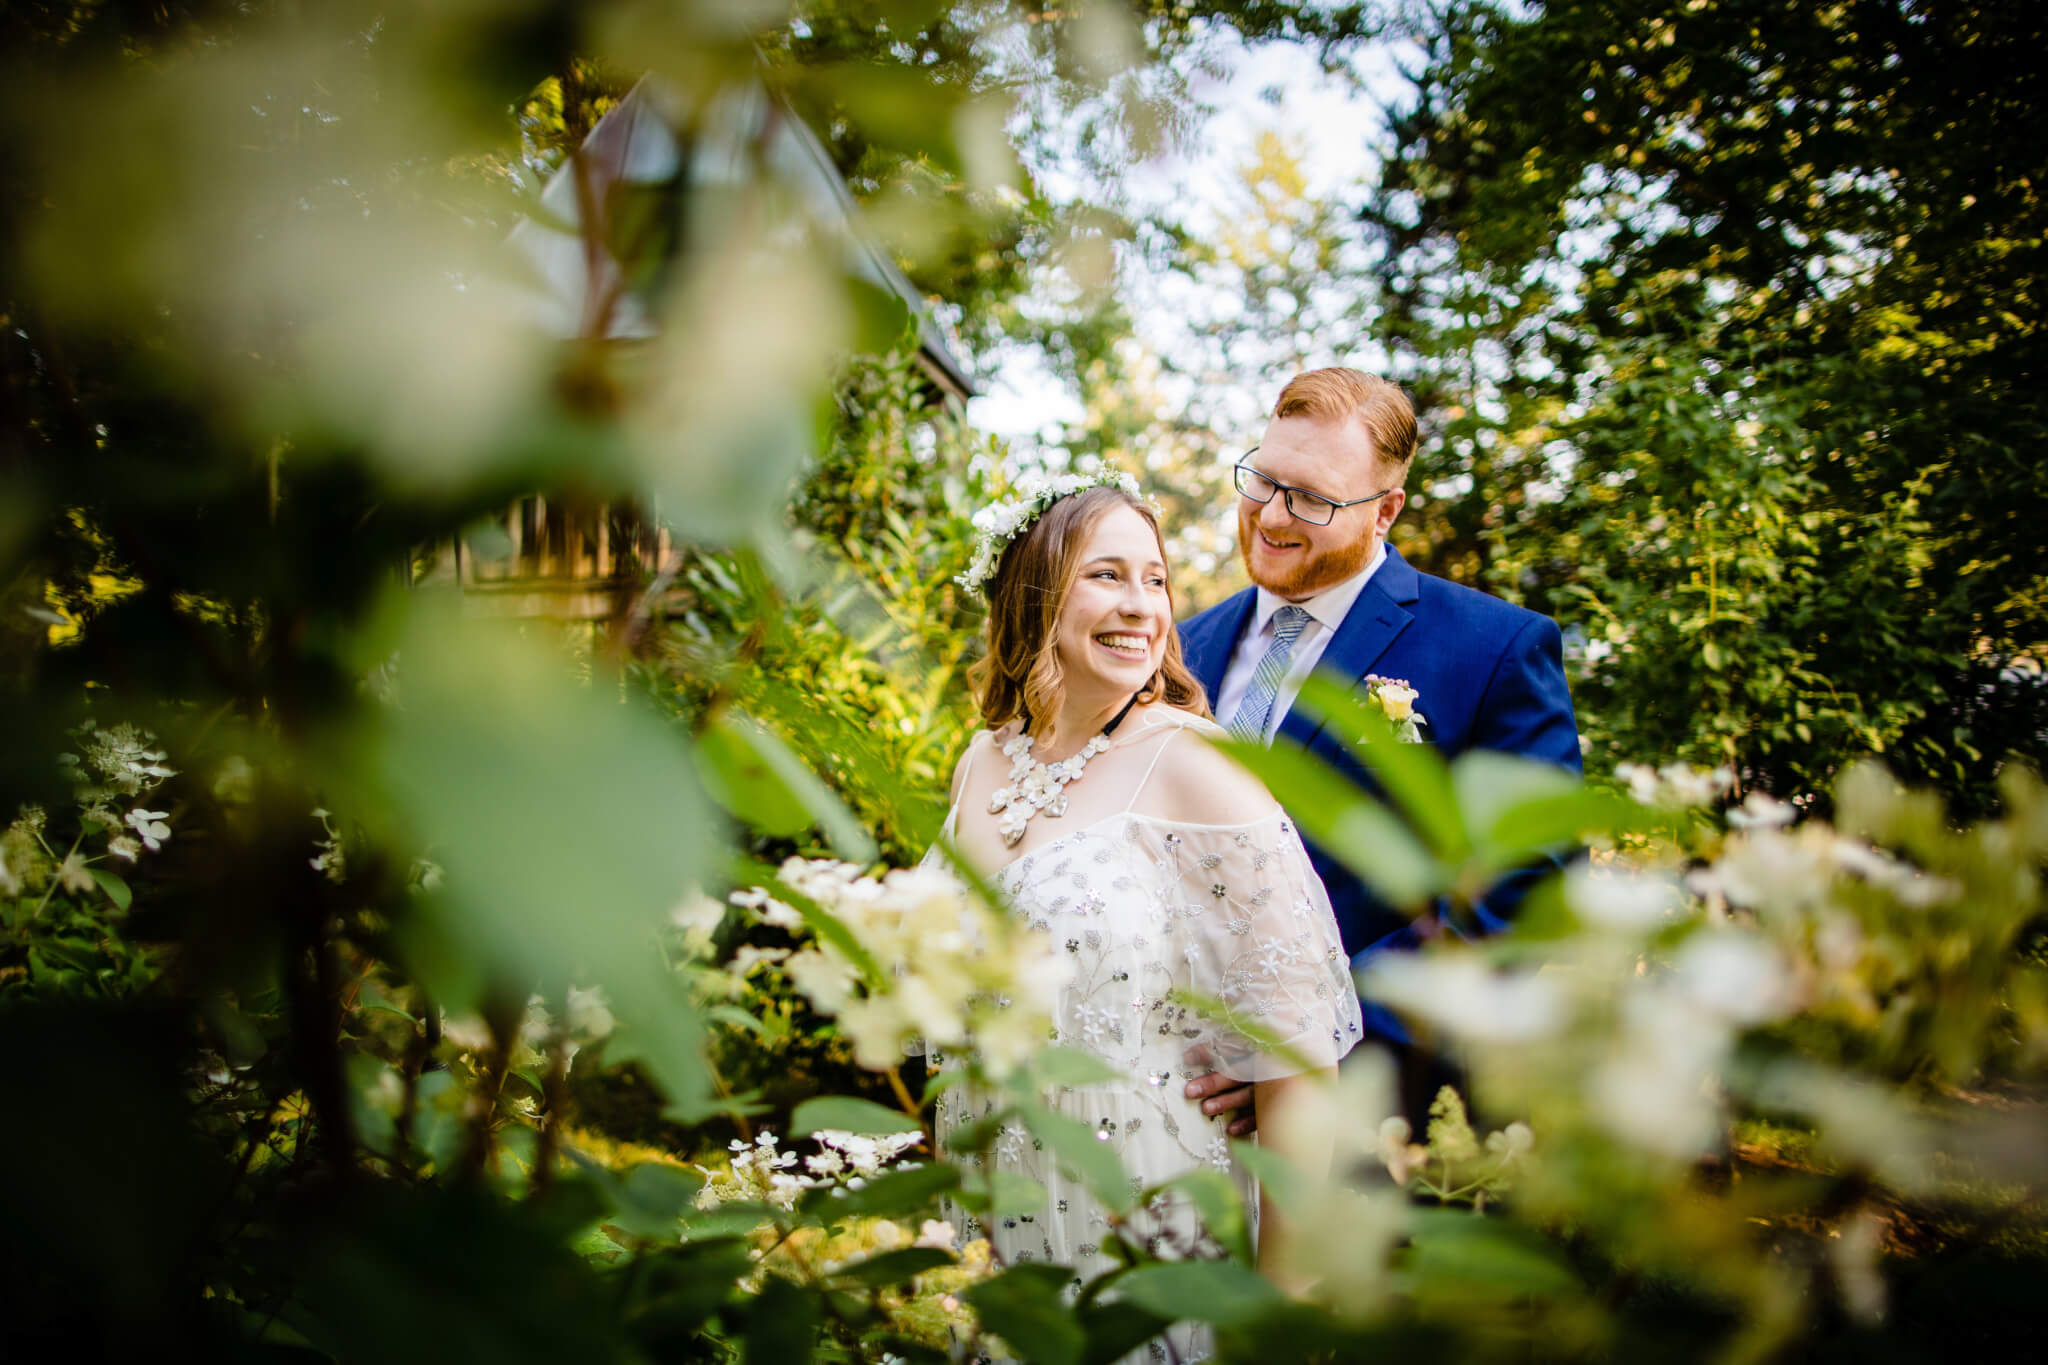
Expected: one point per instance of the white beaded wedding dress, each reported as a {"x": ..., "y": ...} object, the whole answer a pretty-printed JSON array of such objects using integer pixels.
[{"x": 1145, "y": 907}]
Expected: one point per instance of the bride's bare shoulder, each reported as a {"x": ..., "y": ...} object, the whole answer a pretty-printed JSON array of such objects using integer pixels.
[
  {"x": 1195, "y": 782},
  {"x": 979, "y": 744}
]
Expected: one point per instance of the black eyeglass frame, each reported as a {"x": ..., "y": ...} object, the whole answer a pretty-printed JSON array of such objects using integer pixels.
[{"x": 1288, "y": 490}]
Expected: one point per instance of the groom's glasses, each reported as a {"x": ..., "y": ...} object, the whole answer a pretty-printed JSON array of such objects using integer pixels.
[{"x": 1313, "y": 508}]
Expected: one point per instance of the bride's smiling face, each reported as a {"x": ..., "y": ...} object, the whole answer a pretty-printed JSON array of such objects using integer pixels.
[{"x": 1112, "y": 632}]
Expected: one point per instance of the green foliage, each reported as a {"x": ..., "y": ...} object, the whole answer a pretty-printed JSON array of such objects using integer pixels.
[
  {"x": 347, "y": 900},
  {"x": 1706, "y": 311},
  {"x": 860, "y": 671}
]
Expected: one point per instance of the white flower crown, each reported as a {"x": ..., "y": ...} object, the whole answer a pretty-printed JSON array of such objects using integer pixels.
[{"x": 1002, "y": 522}]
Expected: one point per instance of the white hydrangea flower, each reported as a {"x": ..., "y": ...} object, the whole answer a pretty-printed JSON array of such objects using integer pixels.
[
  {"x": 1736, "y": 975},
  {"x": 124, "y": 759},
  {"x": 149, "y": 826},
  {"x": 587, "y": 1015},
  {"x": 1759, "y": 811},
  {"x": 770, "y": 911},
  {"x": 1675, "y": 786},
  {"x": 761, "y": 1172},
  {"x": 1467, "y": 998},
  {"x": 1658, "y": 1090},
  {"x": 1619, "y": 900},
  {"x": 698, "y": 916},
  {"x": 467, "y": 1032},
  {"x": 952, "y": 972},
  {"x": 1767, "y": 868}
]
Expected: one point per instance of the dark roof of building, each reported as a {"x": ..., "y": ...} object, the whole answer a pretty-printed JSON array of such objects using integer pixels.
[{"x": 637, "y": 143}]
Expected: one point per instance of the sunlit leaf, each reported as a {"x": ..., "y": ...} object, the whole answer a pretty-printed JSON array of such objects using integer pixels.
[
  {"x": 1414, "y": 776},
  {"x": 569, "y": 822},
  {"x": 757, "y": 777},
  {"x": 1346, "y": 823},
  {"x": 116, "y": 889}
]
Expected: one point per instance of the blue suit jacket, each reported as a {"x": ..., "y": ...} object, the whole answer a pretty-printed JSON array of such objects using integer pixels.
[{"x": 1488, "y": 675}]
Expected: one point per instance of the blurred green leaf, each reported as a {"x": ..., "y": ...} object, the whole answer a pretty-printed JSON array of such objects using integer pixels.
[
  {"x": 757, "y": 777},
  {"x": 998, "y": 1192},
  {"x": 1346, "y": 823},
  {"x": 893, "y": 1194},
  {"x": 656, "y": 1196},
  {"x": 734, "y": 1017},
  {"x": 735, "y": 1218},
  {"x": 1278, "y": 1178},
  {"x": 1520, "y": 808},
  {"x": 1215, "y": 1196},
  {"x": 1458, "y": 1254},
  {"x": 649, "y": 1200},
  {"x": 683, "y": 1287},
  {"x": 849, "y": 1114},
  {"x": 1414, "y": 776},
  {"x": 1091, "y": 1160},
  {"x": 569, "y": 822},
  {"x": 892, "y": 1267},
  {"x": 1070, "y": 1066},
  {"x": 454, "y": 1276},
  {"x": 1117, "y": 1328},
  {"x": 896, "y": 107},
  {"x": 116, "y": 889},
  {"x": 1222, "y": 1292},
  {"x": 782, "y": 1323},
  {"x": 240, "y": 1037},
  {"x": 1025, "y": 1307}
]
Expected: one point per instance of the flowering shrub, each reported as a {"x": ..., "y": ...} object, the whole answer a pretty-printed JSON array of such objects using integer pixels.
[
  {"x": 307, "y": 963},
  {"x": 1453, "y": 1166},
  {"x": 59, "y": 881},
  {"x": 913, "y": 958}
]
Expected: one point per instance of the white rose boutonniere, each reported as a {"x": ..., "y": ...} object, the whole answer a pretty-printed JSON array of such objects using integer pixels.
[{"x": 1396, "y": 700}]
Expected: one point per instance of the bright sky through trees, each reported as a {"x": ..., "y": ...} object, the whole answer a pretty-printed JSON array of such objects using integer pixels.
[{"x": 1332, "y": 123}]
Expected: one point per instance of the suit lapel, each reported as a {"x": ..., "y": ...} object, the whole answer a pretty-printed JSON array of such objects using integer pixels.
[
  {"x": 1206, "y": 649},
  {"x": 1374, "y": 622}
]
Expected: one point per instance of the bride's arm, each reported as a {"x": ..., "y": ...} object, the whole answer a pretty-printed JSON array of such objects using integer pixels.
[
  {"x": 1200, "y": 785},
  {"x": 1308, "y": 1148}
]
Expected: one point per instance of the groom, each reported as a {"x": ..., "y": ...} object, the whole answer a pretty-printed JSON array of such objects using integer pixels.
[{"x": 1316, "y": 499}]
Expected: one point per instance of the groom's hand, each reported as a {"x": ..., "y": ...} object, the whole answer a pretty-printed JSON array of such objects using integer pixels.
[{"x": 1221, "y": 1095}]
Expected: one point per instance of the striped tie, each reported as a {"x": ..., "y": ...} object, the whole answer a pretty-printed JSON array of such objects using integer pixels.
[{"x": 1249, "y": 724}]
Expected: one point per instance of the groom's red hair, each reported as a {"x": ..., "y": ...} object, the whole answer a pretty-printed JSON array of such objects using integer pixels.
[{"x": 1380, "y": 407}]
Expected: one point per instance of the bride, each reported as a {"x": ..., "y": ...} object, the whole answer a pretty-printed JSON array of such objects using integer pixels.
[{"x": 1095, "y": 806}]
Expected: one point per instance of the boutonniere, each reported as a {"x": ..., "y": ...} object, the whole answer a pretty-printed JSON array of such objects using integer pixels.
[{"x": 1396, "y": 700}]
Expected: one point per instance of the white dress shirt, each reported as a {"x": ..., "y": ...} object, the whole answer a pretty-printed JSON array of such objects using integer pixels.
[{"x": 1326, "y": 611}]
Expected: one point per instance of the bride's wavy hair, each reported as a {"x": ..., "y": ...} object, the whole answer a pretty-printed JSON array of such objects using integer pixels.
[{"x": 1020, "y": 675}]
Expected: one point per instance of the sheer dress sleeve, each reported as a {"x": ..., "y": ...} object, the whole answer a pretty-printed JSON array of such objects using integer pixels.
[{"x": 1255, "y": 934}]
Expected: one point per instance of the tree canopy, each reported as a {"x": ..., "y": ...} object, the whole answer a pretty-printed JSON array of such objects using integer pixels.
[{"x": 1727, "y": 318}]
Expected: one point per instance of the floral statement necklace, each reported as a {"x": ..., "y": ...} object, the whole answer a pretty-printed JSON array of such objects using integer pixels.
[{"x": 1036, "y": 786}]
